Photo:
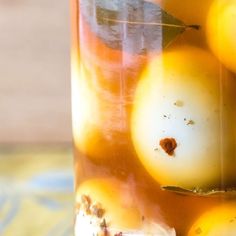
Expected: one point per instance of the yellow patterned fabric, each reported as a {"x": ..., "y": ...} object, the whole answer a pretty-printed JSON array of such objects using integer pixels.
[{"x": 36, "y": 191}]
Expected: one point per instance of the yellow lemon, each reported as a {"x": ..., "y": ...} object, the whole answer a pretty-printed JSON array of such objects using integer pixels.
[
  {"x": 219, "y": 221},
  {"x": 183, "y": 119},
  {"x": 99, "y": 126},
  {"x": 107, "y": 206},
  {"x": 118, "y": 208},
  {"x": 221, "y": 31}
]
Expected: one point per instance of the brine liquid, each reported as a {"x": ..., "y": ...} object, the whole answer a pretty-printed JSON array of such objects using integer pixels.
[{"x": 120, "y": 189}]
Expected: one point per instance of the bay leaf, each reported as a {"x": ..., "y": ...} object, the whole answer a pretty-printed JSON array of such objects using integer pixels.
[
  {"x": 228, "y": 192},
  {"x": 134, "y": 26}
]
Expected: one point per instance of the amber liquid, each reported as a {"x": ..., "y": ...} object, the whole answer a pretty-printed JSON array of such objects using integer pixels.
[{"x": 104, "y": 83}]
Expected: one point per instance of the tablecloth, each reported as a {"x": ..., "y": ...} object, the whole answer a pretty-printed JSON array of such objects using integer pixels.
[{"x": 36, "y": 190}]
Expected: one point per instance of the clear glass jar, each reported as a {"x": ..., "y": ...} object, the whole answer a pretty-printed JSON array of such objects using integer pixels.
[{"x": 154, "y": 117}]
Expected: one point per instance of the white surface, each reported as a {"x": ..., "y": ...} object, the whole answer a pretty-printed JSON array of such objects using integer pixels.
[{"x": 34, "y": 71}]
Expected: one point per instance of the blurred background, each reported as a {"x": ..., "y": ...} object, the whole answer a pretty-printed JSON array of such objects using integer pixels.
[
  {"x": 36, "y": 164},
  {"x": 34, "y": 71}
]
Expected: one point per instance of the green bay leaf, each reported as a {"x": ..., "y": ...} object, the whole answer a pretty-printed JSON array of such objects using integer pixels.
[
  {"x": 134, "y": 26},
  {"x": 227, "y": 192}
]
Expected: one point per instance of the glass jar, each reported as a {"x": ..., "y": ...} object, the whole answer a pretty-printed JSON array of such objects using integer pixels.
[{"x": 154, "y": 117}]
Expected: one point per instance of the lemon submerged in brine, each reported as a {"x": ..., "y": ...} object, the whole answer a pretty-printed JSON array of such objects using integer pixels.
[
  {"x": 221, "y": 31},
  {"x": 184, "y": 108},
  {"x": 107, "y": 206},
  {"x": 219, "y": 221}
]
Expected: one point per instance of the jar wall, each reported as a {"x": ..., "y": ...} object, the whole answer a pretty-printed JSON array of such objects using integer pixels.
[{"x": 154, "y": 111}]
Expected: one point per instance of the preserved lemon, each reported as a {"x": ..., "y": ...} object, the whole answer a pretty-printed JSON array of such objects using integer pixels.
[
  {"x": 221, "y": 31},
  {"x": 175, "y": 125}
]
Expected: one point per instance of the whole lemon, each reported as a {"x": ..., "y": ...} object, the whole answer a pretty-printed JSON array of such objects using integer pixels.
[
  {"x": 108, "y": 206},
  {"x": 219, "y": 221},
  {"x": 183, "y": 120},
  {"x": 221, "y": 31}
]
